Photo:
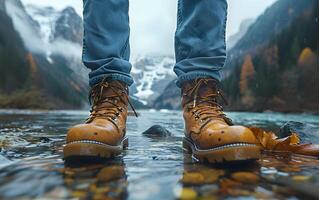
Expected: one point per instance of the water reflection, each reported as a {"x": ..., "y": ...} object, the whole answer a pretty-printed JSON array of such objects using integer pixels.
[
  {"x": 51, "y": 178},
  {"x": 275, "y": 176},
  {"x": 31, "y": 164},
  {"x": 96, "y": 180}
]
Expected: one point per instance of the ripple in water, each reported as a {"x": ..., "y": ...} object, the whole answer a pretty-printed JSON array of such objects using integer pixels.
[{"x": 31, "y": 164}]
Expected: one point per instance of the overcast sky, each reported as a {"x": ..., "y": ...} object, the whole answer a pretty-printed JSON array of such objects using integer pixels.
[{"x": 153, "y": 21}]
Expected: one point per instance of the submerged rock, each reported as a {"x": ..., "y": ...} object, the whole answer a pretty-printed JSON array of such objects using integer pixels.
[
  {"x": 245, "y": 177},
  {"x": 157, "y": 131},
  {"x": 303, "y": 130}
]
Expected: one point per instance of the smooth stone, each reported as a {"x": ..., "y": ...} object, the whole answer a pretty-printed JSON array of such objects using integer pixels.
[{"x": 157, "y": 131}]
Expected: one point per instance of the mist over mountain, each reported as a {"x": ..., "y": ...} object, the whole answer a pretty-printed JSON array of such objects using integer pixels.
[
  {"x": 37, "y": 72},
  {"x": 54, "y": 39},
  {"x": 41, "y": 48},
  {"x": 244, "y": 26},
  {"x": 63, "y": 30}
]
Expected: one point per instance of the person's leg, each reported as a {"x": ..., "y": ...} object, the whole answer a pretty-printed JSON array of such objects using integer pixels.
[
  {"x": 106, "y": 48},
  {"x": 200, "y": 55},
  {"x": 106, "y": 52},
  {"x": 200, "y": 47}
]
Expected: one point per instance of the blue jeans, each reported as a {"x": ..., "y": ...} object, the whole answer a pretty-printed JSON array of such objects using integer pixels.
[{"x": 200, "y": 46}]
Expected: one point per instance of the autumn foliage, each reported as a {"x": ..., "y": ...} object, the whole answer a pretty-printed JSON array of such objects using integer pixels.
[{"x": 281, "y": 74}]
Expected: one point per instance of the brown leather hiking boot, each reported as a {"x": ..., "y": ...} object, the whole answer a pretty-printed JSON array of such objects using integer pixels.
[
  {"x": 103, "y": 133},
  {"x": 209, "y": 134}
]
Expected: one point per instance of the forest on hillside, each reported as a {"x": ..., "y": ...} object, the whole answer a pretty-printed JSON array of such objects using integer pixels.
[{"x": 282, "y": 75}]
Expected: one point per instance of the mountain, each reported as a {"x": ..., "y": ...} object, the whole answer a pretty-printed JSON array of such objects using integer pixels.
[
  {"x": 13, "y": 68},
  {"x": 35, "y": 73},
  {"x": 267, "y": 54},
  {"x": 275, "y": 19},
  {"x": 282, "y": 74},
  {"x": 61, "y": 32},
  {"x": 51, "y": 45},
  {"x": 243, "y": 28},
  {"x": 151, "y": 75},
  {"x": 169, "y": 99},
  {"x": 68, "y": 26}
]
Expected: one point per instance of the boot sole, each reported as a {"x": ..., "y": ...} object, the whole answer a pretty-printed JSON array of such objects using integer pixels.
[
  {"x": 223, "y": 154},
  {"x": 87, "y": 148}
]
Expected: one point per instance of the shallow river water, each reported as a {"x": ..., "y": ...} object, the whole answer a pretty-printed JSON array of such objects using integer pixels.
[{"x": 31, "y": 164}]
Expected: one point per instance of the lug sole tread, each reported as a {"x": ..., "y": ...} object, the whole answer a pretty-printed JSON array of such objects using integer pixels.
[{"x": 227, "y": 153}]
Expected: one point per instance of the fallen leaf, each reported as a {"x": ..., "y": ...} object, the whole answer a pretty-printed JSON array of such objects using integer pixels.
[{"x": 270, "y": 142}]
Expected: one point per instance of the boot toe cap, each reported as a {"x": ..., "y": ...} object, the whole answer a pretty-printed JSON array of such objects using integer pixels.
[
  {"x": 106, "y": 134},
  {"x": 212, "y": 137}
]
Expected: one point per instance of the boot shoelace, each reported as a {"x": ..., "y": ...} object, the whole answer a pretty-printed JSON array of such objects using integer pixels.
[
  {"x": 206, "y": 107},
  {"x": 107, "y": 112}
]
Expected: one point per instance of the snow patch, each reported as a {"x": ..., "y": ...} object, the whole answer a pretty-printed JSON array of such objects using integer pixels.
[{"x": 158, "y": 69}]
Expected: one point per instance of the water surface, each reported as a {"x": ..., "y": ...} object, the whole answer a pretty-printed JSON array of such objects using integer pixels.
[{"x": 31, "y": 164}]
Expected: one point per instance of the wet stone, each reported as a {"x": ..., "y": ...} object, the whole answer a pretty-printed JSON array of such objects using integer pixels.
[
  {"x": 302, "y": 129},
  {"x": 157, "y": 131},
  {"x": 245, "y": 177}
]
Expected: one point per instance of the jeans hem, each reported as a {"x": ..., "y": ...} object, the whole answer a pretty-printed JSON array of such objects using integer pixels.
[
  {"x": 196, "y": 75},
  {"x": 96, "y": 80}
]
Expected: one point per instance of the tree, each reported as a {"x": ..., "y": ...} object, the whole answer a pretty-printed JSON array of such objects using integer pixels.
[
  {"x": 246, "y": 75},
  {"x": 306, "y": 57}
]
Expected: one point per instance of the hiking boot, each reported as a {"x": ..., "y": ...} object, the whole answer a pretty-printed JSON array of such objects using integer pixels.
[
  {"x": 103, "y": 133},
  {"x": 209, "y": 134}
]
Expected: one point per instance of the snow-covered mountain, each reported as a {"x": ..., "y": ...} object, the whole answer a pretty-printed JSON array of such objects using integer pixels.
[
  {"x": 57, "y": 24},
  {"x": 151, "y": 74},
  {"x": 61, "y": 32},
  {"x": 52, "y": 32},
  {"x": 45, "y": 17}
]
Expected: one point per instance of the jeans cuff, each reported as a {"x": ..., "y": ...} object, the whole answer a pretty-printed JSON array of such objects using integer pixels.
[
  {"x": 196, "y": 75},
  {"x": 97, "y": 79}
]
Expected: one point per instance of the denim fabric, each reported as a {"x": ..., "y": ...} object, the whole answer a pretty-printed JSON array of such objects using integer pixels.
[
  {"x": 106, "y": 49},
  {"x": 200, "y": 47}
]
